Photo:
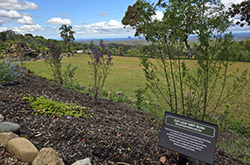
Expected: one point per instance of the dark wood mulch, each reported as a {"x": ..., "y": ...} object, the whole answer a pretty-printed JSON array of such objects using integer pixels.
[{"x": 116, "y": 133}]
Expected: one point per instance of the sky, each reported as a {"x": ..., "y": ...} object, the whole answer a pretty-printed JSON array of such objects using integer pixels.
[{"x": 89, "y": 18}]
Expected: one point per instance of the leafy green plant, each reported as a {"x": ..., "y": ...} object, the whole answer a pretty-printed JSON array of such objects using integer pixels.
[
  {"x": 68, "y": 76},
  {"x": 9, "y": 71},
  {"x": 237, "y": 125},
  {"x": 229, "y": 121},
  {"x": 139, "y": 95},
  {"x": 224, "y": 118},
  {"x": 45, "y": 106}
]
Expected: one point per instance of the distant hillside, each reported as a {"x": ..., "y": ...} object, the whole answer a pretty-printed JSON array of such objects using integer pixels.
[
  {"x": 241, "y": 36},
  {"x": 141, "y": 41},
  {"x": 124, "y": 41}
]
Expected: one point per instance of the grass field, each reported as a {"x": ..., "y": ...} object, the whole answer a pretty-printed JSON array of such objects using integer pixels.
[{"x": 126, "y": 75}]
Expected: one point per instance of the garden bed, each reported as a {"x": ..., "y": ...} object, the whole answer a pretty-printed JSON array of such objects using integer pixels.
[{"x": 115, "y": 133}]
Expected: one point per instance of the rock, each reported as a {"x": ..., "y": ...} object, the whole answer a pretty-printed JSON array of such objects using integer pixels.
[
  {"x": 1, "y": 118},
  {"x": 119, "y": 93},
  {"x": 9, "y": 127},
  {"x": 23, "y": 149},
  {"x": 85, "y": 161},
  {"x": 47, "y": 156},
  {"x": 5, "y": 137}
]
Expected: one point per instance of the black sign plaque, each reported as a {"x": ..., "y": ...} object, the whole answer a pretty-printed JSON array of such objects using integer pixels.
[{"x": 189, "y": 137}]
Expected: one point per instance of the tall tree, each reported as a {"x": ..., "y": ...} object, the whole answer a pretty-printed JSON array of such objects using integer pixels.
[{"x": 67, "y": 35}]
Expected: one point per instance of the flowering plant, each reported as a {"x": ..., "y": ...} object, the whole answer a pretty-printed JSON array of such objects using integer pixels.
[
  {"x": 54, "y": 61},
  {"x": 100, "y": 64},
  {"x": 9, "y": 71}
]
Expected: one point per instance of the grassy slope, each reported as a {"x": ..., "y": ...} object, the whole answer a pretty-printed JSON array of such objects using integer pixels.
[{"x": 126, "y": 75}]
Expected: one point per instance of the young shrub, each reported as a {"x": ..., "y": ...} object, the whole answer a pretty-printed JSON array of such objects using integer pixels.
[
  {"x": 9, "y": 72},
  {"x": 100, "y": 64},
  {"x": 139, "y": 94},
  {"x": 54, "y": 61},
  {"x": 68, "y": 76}
]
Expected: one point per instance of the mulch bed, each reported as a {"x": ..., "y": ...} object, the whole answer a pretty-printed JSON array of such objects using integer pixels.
[{"x": 116, "y": 132}]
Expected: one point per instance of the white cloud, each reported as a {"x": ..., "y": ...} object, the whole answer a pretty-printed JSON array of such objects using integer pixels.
[
  {"x": 59, "y": 21},
  {"x": 159, "y": 15},
  {"x": 228, "y": 3},
  {"x": 27, "y": 20},
  {"x": 3, "y": 29},
  {"x": 17, "y": 5},
  {"x": 10, "y": 14},
  {"x": 237, "y": 29},
  {"x": 28, "y": 28},
  {"x": 112, "y": 28}
]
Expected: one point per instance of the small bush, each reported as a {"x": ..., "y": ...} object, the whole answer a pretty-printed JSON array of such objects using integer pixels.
[
  {"x": 9, "y": 71},
  {"x": 139, "y": 94},
  {"x": 68, "y": 76},
  {"x": 100, "y": 65},
  {"x": 54, "y": 61}
]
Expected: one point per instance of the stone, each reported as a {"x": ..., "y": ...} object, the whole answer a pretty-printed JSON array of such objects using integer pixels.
[
  {"x": 1, "y": 118},
  {"x": 23, "y": 149},
  {"x": 9, "y": 127},
  {"x": 85, "y": 161},
  {"x": 47, "y": 156},
  {"x": 5, "y": 137}
]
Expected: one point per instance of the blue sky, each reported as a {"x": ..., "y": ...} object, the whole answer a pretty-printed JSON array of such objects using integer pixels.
[{"x": 89, "y": 18}]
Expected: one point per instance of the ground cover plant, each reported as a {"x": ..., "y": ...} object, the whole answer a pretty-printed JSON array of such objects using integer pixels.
[{"x": 45, "y": 106}]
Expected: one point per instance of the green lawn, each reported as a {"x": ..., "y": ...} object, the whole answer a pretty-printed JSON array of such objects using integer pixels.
[{"x": 126, "y": 74}]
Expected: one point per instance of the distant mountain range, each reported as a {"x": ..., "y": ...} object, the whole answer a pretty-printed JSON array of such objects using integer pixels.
[
  {"x": 241, "y": 36},
  {"x": 142, "y": 41}
]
